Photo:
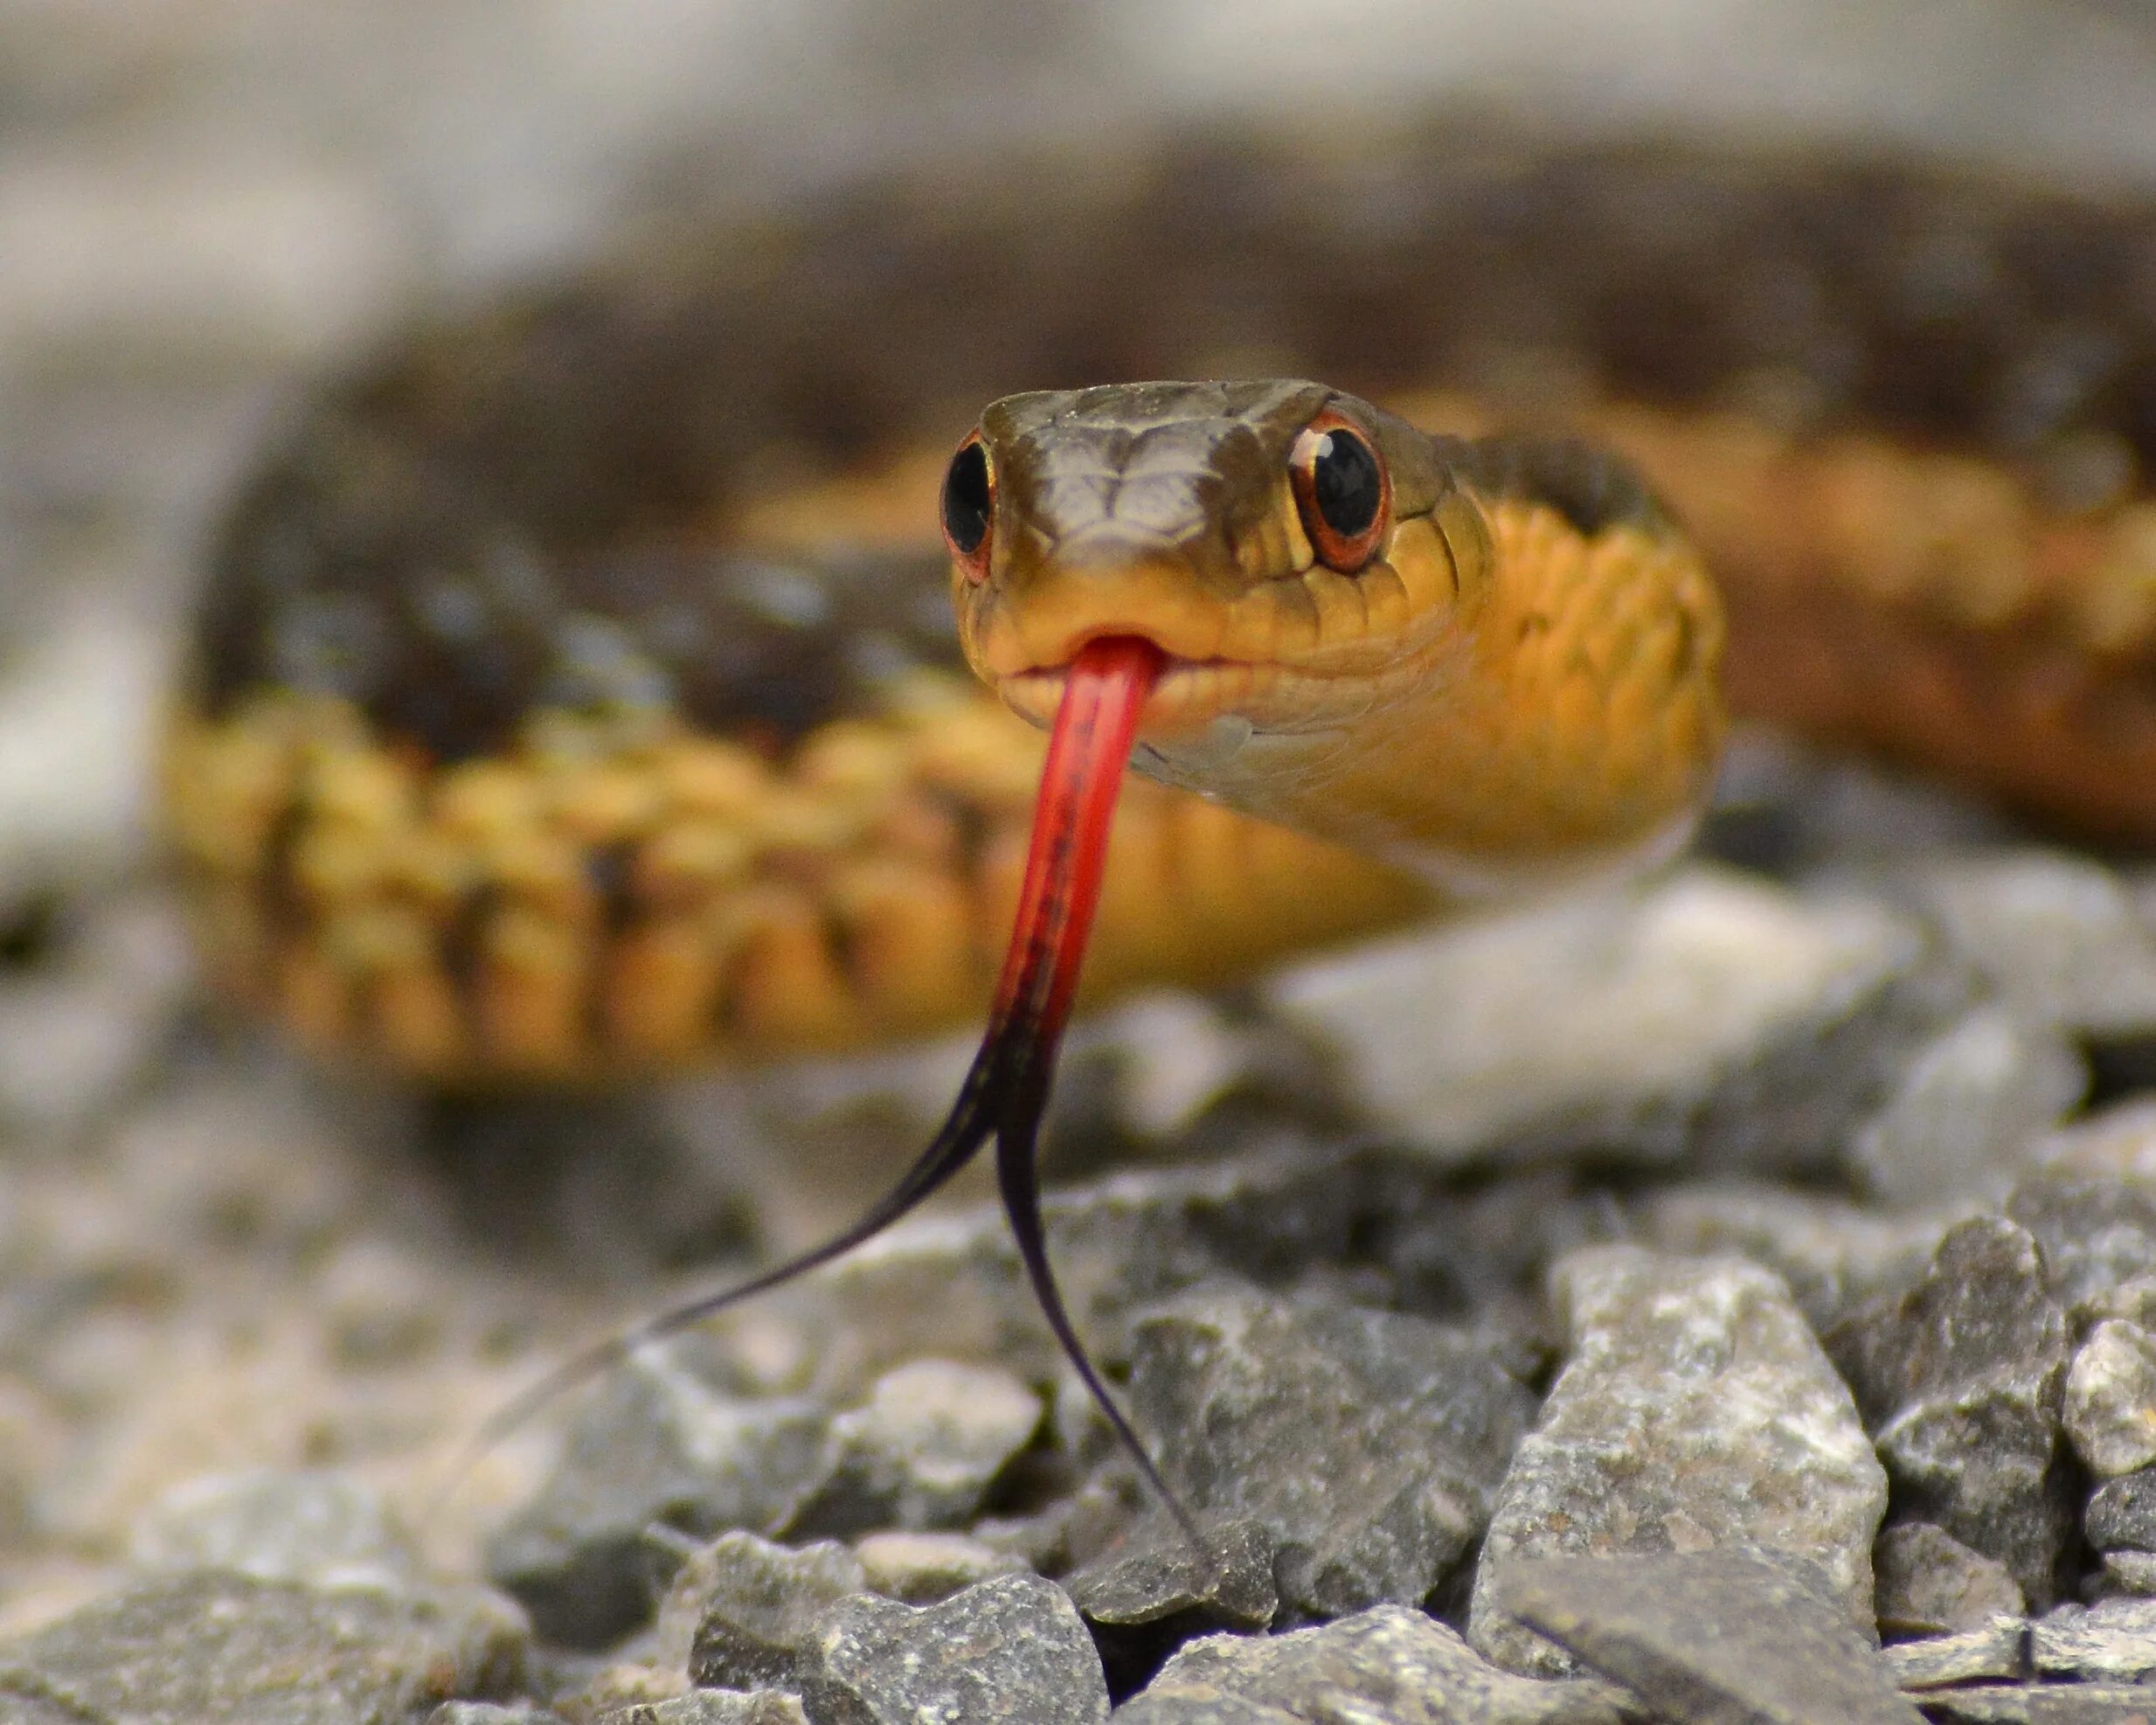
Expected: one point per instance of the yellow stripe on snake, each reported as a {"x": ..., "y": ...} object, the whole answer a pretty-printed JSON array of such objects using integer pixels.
[{"x": 575, "y": 697}]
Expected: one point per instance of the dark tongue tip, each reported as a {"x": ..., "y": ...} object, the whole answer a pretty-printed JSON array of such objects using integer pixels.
[{"x": 1007, "y": 1088}]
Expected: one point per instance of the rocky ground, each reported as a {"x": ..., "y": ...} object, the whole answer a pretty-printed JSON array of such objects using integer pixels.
[{"x": 1734, "y": 1300}]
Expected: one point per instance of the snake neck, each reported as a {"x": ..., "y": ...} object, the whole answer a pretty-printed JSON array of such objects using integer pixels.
[{"x": 1566, "y": 724}]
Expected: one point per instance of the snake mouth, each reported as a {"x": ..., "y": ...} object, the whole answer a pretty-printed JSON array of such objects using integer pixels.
[{"x": 1188, "y": 695}]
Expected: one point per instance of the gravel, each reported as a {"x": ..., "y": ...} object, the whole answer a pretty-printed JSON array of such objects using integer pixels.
[{"x": 1542, "y": 1295}]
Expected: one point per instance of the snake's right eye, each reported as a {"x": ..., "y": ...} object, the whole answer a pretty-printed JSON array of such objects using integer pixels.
[{"x": 969, "y": 507}]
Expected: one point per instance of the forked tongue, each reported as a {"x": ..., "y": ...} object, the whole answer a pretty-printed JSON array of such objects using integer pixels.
[{"x": 1006, "y": 1089}]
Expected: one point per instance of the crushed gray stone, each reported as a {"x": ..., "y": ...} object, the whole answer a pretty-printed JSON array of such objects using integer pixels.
[
  {"x": 1833, "y": 1253},
  {"x": 304, "y": 1525},
  {"x": 2114, "y": 1640},
  {"x": 1960, "y": 1378},
  {"x": 1997, "y": 1649},
  {"x": 920, "y": 1568},
  {"x": 1966, "y": 1110},
  {"x": 2110, "y": 1406},
  {"x": 2120, "y": 1514},
  {"x": 2077, "y": 1704},
  {"x": 2122, "y": 1574},
  {"x": 922, "y": 1451},
  {"x": 1388, "y": 1666},
  {"x": 1710, "y": 1636},
  {"x": 1927, "y": 1582},
  {"x": 2058, "y": 935},
  {"x": 209, "y": 1644},
  {"x": 714, "y": 1706},
  {"x": 1368, "y": 1444},
  {"x": 656, "y": 1442},
  {"x": 1717, "y": 1019},
  {"x": 1230, "y": 1585},
  {"x": 1012, "y": 1649},
  {"x": 2096, "y": 1228},
  {"x": 1693, "y": 1408},
  {"x": 756, "y": 1607}
]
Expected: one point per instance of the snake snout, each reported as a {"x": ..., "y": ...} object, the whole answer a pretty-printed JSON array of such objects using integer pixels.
[{"x": 1113, "y": 580}]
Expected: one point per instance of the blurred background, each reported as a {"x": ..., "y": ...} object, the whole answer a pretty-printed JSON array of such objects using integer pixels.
[{"x": 202, "y": 201}]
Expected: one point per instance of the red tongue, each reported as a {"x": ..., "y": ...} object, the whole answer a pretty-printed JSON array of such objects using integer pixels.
[
  {"x": 1007, "y": 1088},
  {"x": 1088, "y": 748}
]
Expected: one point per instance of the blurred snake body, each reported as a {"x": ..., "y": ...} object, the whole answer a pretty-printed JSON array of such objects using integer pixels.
[{"x": 575, "y": 696}]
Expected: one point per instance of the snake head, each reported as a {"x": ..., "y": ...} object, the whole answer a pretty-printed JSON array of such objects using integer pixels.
[{"x": 1291, "y": 550}]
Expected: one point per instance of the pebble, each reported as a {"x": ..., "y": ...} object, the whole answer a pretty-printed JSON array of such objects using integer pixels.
[
  {"x": 2121, "y": 1514},
  {"x": 1966, "y": 1110},
  {"x": 1011, "y": 1649},
  {"x": 2110, "y": 1408},
  {"x": 1927, "y": 1582},
  {"x": 2096, "y": 1231},
  {"x": 714, "y": 1706},
  {"x": 756, "y": 1605},
  {"x": 211, "y": 1644},
  {"x": 1388, "y": 1666},
  {"x": 1154, "y": 1591},
  {"x": 319, "y": 1526},
  {"x": 2058, "y": 935},
  {"x": 1368, "y": 1444},
  {"x": 923, "y": 1451},
  {"x": 1999, "y": 1648},
  {"x": 1693, "y": 1408},
  {"x": 920, "y": 1568},
  {"x": 2114, "y": 1640},
  {"x": 1960, "y": 1378},
  {"x": 2128, "y": 1574},
  {"x": 2083, "y": 1704},
  {"x": 1710, "y": 1636},
  {"x": 655, "y": 1443},
  {"x": 1715, "y": 1014}
]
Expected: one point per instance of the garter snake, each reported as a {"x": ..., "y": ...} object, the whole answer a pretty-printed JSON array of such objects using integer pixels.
[{"x": 574, "y": 696}]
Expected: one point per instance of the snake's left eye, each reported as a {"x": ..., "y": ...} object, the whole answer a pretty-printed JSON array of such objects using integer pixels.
[
  {"x": 1343, "y": 491},
  {"x": 969, "y": 508}
]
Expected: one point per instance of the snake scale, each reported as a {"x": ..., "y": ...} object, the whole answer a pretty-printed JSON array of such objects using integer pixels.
[{"x": 575, "y": 695}]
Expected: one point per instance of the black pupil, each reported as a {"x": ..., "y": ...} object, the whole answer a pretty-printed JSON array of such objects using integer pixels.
[
  {"x": 965, "y": 499},
  {"x": 1344, "y": 481}
]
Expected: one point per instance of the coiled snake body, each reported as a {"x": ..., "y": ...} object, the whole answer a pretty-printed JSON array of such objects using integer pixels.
[{"x": 575, "y": 695}]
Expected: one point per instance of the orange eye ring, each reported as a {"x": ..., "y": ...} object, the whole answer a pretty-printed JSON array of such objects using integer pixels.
[
  {"x": 1342, "y": 490},
  {"x": 967, "y": 508}
]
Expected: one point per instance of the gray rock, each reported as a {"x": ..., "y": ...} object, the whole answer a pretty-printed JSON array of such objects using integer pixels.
[
  {"x": 923, "y": 1451},
  {"x": 2122, "y": 1574},
  {"x": 1966, "y": 1110},
  {"x": 488, "y": 1713},
  {"x": 1926, "y": 1581},
  {"x": 714, "y": 1706},
  {"x": 920, "y": 1568},
  {"x": 2056, "y": 935},
  {"x": 2110, "y": 1405},
  {"x": 1833, "y": 1253},
  {"x": 1012, "y": 1649},
  {"x": 1712, "y": 1637},
  {"x": 1998, "y": 1649},
  {"x": 1695, "y": 1407},
  {"x": 656, "y": 1444},
  {"x": 2096, "y": 1230},
  {"x": 318, "y": 1526},
  {"x": 2114, "y": 1640},
  {"x": 1388, "y": 1666},
  {"x": 1961, "y": 1378},
  {"x": 2080, "y": 1704},
  {"x": 209, "y": 1644},
  {"x": 756, "y": 1607},
  {"x": 2121, "y": 1514},
  {"x": 1369, "y": 1444},
  {"x": 1713, "y": 1017},
  {"x": 1230, "y": 1585}
]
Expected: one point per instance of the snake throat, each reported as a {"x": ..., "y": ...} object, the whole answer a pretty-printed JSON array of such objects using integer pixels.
[{"x": 1006, "y": 1090}]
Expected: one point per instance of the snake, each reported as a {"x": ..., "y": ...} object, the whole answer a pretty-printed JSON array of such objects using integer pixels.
[{"x": 574, "y": 697}]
